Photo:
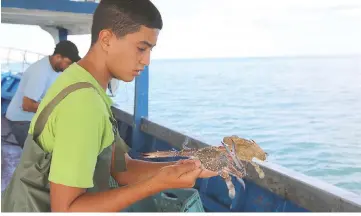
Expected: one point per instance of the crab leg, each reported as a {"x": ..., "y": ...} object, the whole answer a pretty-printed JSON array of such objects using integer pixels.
[
  {"x": 232, "y": 156},
  {"x": 234, "y": 172},
  {"x": 239, "y": 161},
  {"x": 227, "y": 178},
  {"x": 185, "y": 144},
  {"x": 258, "y": 170},
  {"x": 239, "y": 172},
  {"x": 163, "y": 154},
  {"x": 241, "y": 182}
]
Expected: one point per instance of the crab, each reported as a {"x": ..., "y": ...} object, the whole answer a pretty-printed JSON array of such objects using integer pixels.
[
  {"x": 246, "y": 150},
  {"x": 226, "y": 160}
]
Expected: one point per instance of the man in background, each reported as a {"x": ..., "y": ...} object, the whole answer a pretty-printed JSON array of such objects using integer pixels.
[{"x": 34, "y": 84}]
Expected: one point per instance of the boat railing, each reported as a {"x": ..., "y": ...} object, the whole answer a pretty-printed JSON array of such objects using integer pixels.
[{"x": 17, "y": 60}]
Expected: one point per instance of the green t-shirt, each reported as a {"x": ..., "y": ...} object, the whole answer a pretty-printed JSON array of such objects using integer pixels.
[{"x": 77, "y": 130}]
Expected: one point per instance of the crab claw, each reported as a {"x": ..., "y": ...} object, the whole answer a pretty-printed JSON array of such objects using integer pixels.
[
  {"x": 235, "y": 160},
  {"x": 185, "y": 143},
  {"x": 227, "y": 149},
  {"x": 239, "y": 163},
  {"x": 234, "y": 171},
  {"x": 241, "y": 182}
]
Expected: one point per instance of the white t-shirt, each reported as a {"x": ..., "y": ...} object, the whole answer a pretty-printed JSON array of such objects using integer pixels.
[{"x": 34, "y": 84}]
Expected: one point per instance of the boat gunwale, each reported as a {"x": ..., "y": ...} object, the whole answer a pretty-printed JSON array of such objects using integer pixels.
[{"x": 308, "y": 192}]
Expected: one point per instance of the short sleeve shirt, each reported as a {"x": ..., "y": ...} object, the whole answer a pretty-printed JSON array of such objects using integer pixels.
[
  {"x": 34, "y": 84},
  {"x": 77, "y": 130}
]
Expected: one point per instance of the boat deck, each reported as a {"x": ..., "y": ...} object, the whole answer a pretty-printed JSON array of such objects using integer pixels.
[{"x": 10, "y": 153}]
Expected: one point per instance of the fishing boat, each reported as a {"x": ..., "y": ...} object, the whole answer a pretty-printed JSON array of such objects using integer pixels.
[{"x": 281, "y": 190}]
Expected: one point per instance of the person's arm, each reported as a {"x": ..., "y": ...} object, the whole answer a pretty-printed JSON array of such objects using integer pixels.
[
  {"x": 30, "y": 105},
  {"x": 72, "y": 199},
  {"x": 138, "y": 170},
  {"x": 78, "y": 133},
  {"x": 34, "y": 89},
  {"x": 77, "y": 200}
]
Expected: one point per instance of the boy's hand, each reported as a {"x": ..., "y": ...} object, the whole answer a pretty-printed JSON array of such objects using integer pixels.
[
  {"x": 183, "y": 174},
  {"x": 205, "y": 172}
]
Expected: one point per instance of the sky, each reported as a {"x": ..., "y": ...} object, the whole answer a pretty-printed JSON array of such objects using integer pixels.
[{"x": 233, "y": 28}]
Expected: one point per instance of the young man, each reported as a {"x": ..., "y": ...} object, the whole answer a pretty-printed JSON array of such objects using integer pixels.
[
  {"x": 74, "y": 147},
  {"x": 34, "y": 84}
]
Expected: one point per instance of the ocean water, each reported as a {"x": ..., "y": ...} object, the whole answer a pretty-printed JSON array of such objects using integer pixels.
[{"x": 305, "y": 112}]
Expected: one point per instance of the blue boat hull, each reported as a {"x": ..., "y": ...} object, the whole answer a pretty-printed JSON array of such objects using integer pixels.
[{"x": 213, "y": 191}]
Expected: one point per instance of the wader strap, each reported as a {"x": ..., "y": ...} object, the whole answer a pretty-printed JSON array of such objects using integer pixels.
[
  {"x": 120, "y": 149},
  {"x": 45, "y": 113}
]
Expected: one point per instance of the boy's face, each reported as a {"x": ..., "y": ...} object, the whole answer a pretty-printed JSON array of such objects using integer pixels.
[{"x": 127, "y": 56}]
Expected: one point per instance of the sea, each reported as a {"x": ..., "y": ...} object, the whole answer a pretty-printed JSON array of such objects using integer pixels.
[{"x": 304, "y": 111}]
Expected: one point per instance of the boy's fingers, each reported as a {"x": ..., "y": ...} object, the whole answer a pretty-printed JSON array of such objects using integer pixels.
[
  {"x": 185, "y": 167},
  {"x": 197, "y": 162},
  {"x": 193, "y": 174}
]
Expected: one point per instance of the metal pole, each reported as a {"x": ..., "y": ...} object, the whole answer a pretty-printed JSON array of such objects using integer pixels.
[
  {"x": 63, "y": 33},
  {"x": 141, "y": 98}
]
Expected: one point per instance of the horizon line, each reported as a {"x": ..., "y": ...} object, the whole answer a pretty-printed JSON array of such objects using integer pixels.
[{"x": 262, "y": 57}]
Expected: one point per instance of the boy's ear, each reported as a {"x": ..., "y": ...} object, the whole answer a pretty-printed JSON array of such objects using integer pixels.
[{"x": 104, "y": 38}]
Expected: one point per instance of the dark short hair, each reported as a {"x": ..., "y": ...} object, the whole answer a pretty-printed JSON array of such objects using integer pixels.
[
  {"x": 124, "y": 17},
  {"x": 67, "y": 49}
]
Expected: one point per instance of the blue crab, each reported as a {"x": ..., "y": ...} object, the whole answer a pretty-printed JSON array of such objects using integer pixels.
[{"x": 227, "y": 160}]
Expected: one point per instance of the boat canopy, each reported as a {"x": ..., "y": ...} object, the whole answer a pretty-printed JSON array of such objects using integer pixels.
[{"x": 58, "y": 17}]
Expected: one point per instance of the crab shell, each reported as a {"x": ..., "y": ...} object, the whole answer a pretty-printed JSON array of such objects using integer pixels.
[
  {"x": 246, "y": 150},
  {"x": 216, "y": 160}
]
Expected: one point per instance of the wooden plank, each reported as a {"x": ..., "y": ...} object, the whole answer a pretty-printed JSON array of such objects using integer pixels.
[{"x": 172, "y": 137}]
